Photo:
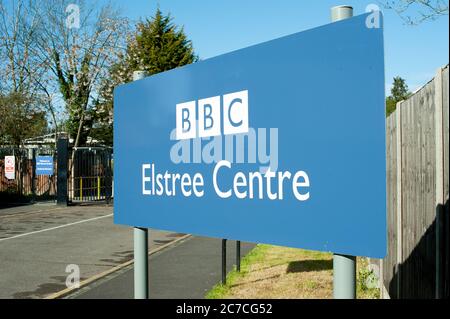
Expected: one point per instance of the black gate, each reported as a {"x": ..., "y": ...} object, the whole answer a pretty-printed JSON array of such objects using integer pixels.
[{"x": 90, "y": 175}]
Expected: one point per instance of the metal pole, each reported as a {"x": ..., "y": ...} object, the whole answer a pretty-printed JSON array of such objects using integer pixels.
[
  {"x": 341, "y": 12},
  {"x": 33, "y": 174},
  {"x": 238, "y": 256},
  {"x": 344, "y": 277},
  {"x": 140, "y": 263},
  {"x": 224, "y": 261},
  {"x": 140, "y": 246},
  {"x": 62, "y": 153},
  {"x": 344, "y": 267}
]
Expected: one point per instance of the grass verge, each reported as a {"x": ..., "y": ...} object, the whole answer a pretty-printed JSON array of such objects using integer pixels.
[{"x": 280, "y": 272}]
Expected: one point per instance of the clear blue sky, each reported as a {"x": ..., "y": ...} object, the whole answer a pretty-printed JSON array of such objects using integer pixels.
[{"x": 217, "y": 27}]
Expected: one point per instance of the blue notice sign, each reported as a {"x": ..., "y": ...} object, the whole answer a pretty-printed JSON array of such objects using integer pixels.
[
  {"x": 44, "y": 165},
  {"x": 280, "y": 143}
]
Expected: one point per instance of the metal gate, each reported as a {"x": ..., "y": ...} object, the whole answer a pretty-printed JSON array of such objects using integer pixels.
[{"x": 90, "y": 176}]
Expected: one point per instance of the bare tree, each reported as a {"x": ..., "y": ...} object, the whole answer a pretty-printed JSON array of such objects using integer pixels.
[
  {"x": 58, "y": 52},
  {"x": 21, "y": 71},
  {"x": 18, "y": 67},
  {"x": 79, "y": 55},
  {"x": 414, "y": 12}
]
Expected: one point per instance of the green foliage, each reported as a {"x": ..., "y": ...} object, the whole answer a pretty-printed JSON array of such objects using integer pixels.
[
  {"x": 20, "y": 119},
  {"x": 399, "y": 92},
  {"x": 103, "y": 133},
  {"x": 160, "y": 46},
  {"x": 391, "y": 104},
  {"x": 157, "y": 46},
  {"x": 257, "y": 254},
  {"x": 366, "y": 281}
]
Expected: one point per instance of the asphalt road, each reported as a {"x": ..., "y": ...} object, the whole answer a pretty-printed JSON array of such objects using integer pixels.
[
  {"x": 185, "y": 270},
  {"x": 38, "y": 242}
]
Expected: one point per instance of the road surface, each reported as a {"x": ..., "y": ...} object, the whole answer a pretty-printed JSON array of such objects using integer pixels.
[
  {"x": 38, "y": 242},
  {"x": 185, "y": 270}
]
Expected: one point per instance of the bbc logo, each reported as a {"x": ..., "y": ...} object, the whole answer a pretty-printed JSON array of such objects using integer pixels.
[{"x": 208, "y": 116}]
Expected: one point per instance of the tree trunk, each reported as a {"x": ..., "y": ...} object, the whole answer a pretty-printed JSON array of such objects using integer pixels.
[{"x": 72, "y": 157}]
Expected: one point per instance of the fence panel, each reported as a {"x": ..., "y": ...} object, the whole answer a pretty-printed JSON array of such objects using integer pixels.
[
  {"x": 446, "y": 222},
  {"x": 418, "y": 195},
  {"x": 26, "y": 186},
  {"x": 411, "y": 271},
  {"x": 22, "y": 184}
]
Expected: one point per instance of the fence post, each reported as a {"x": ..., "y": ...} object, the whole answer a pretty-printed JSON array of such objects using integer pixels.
[
  {"x": 439, "y": 136},
  {"x": 61, "y": 177},
  {"x": 33, "y": 174},
  {"x": 344, "y": 267},
  {"x": 398, "y": 124},
  {"x": 140, "y": 245},
  {"x": 110, "y": 188},
  {"x": 20, "y": 165}
]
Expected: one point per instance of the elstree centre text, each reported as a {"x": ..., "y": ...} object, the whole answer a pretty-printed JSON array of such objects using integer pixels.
[{"x": 253, "y": 185}]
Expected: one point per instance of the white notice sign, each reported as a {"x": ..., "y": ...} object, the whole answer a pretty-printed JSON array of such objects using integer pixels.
[{"x": 10, "y": 167}]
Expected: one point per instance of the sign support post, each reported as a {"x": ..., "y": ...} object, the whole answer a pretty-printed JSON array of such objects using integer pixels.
[
  {"x": 140, "y": 246},
  {"x": 238, "y": 256},
  {"x": 344, "y": 267},
  {"x": 140, "y": 263},
  {"x": 224, "y": 261},
  {"x": 344, "y": 277}
]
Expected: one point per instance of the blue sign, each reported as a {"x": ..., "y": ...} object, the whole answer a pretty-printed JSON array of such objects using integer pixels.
[
  {"x": 280, "y": 143},
  {"x": 44, "y": 165}
]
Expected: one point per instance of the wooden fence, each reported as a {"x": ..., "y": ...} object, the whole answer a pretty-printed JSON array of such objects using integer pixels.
[
  {"x": 417, "y": 145},
  {"x": 26, "y": 185}
]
